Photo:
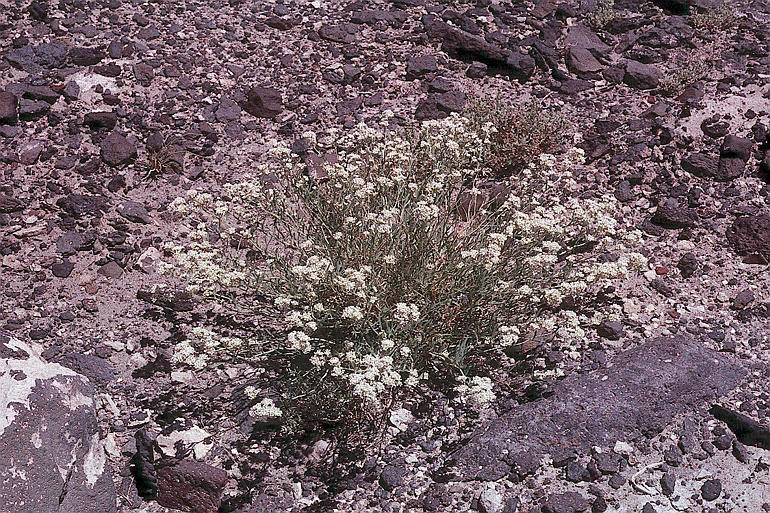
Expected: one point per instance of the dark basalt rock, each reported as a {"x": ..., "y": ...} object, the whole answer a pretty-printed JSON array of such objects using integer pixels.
[
  {"x": 190, "y": 486},
  {"x": 263, "y": 102},
  {"x": 637, "y": 396},
  {"x": 750, "y": 237},
  {"x": 50, "y": 425}
]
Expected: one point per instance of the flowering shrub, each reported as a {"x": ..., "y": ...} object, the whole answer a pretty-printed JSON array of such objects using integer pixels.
[{"x": 379, "y": 282}]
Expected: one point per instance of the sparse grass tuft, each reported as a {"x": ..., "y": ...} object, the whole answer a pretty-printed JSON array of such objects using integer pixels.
[
  {"x": 523, "y": 132},
  {"x": 168, "y": 158}
]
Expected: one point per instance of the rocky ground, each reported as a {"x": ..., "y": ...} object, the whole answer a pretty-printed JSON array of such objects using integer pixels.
[{"x": 111, "y": 108}]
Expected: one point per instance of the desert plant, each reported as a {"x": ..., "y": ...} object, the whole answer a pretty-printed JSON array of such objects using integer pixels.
[
  {"x": 522, "y": 132},
  {"x": 718, "y": 18},
  {"x": 687, "y": 73},
  {"x": 378, "y": 282},
  {"x": 603, "y": 15},
  {"x": 168, "y": 156}
]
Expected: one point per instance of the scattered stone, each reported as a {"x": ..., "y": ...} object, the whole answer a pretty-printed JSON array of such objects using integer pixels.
[
  {"x": 743, "y": 299},
  {"x": 82, "y": 56},
  {"x": 671, "y": 214},
  {"x": 421, "y": 65},
  {"x": 611, "y": 330},
  {"x": 701, "y": 164},
  {"x": 190, "y": 486},
  {"x": 688, "y": 264},
  {"x": 568, "y": 502},
  {"x": 581, "y": 60},
  {"x": 134, "y": 212},
  {"x": 117, "y": 151},
  {"x": 711, "y": 489},
  {"x": 62, "y": 269},
  {"x": 392, "y": 476},
  {"x": 491, "y": 501},
  {"x": 750, "y": 237},
  {"x": 111, "y": 270},
  {"x": 9, "y": 105},
  {"x": 738, "y": 147},
  {"x": 100, "y": 120},
  {"x": 741, "y": 452},
  {"x": 142, "y": 465},
  {"x": 641, "y": 76},
  {"x": 263, "y": 102},
  {"x": 668, "y": 484},
  {"x": 748, "y": 430}
]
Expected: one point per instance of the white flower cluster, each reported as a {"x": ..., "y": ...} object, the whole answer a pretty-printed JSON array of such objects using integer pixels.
[{"x": 479, "y": 391}]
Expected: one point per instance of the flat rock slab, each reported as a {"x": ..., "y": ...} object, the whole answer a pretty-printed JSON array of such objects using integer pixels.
[
  {"x": 636, "y": 396},
  {"x": 51, "y": 456}
]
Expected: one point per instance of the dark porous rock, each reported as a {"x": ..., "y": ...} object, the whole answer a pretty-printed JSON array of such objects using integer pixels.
[
  {"x": 668, "y": 484},
  {"x": 611, "y": 330},
  {"x": 117, "y": 150},
  {"x": 38, "y": 10},
  {"x": 617, "y": 481},
  {"x": 523, "y": 464},
  {"x": 700, "y": 164},
  {"x": 134, "y": 212},
  {"x": 575, "y": 472},
  {"x": 190, "y": 486},
  {"x": 50, "y": 436},
  {"x": 340, "y": 33},
  {"x": 581, "y": 60},
  {"x": 78, "y": 205},
  {"x": 608, "y": 462},
  {"x": 742, "y": 299},
  {"x": 96, "y": 369},
  {"x": 520, "y": 66},
  {"x": 111, "y": 270},
  {"x": 10, "y": 204},
  {"x": 734, "y": 146},
  {"x": 30, "y": 110},
  {"x": 711, "y": 489},
  {"x": 641, "y": 76},
  {"x": 263, "y": 102},
  {"x": 100, "y": 120},
  {"x": 62, "y": 269},
  {"x": 750, "y": 237},
  {"x": 420, "y": 65},
  {"x": 671, "y": 214},
  {"x": 440, "y": 105},
  {"x": 741, "y": 452},
  {"x": 83, "y": 56},
  {"x": 672, "y": 456},
  {"x": 9, "y": 108},
  {"x": 729, "y": 168},
  {"x": 568, "y": 502},
  {"x": 392, "y": 476},
  {"x": 638, "y": 395},
  {"x": 688, "y": 264}
]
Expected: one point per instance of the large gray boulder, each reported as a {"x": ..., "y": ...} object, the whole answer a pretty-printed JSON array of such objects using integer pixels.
[
  {"x": 52, "y": 459},
  {"x": 635, "y": 397}
]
